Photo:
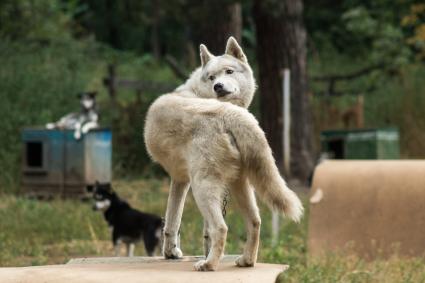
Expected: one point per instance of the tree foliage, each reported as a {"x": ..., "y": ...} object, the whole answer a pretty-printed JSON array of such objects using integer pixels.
[
  {"x": 51, "y": 49},
  {"x": 36, "y": 20},
  {"x": 414, "y": 22}
]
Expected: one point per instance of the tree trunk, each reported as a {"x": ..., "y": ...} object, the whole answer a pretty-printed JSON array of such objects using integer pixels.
[
  {"x": 112, "y": 33},
  {"x": 155, "y": 44},
  {"x": 281, "y": 43},
  {"x": 215, "y": 22}
]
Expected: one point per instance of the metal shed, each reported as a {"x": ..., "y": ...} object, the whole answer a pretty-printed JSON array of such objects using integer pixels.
[
  {"x": 380, "y": 143},
  {"x": 55, "y": 163}
]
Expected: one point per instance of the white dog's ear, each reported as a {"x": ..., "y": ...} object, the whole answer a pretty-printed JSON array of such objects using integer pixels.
[
  {"x": 205, "y": 54},
  {"x": 233, "y": 49}
]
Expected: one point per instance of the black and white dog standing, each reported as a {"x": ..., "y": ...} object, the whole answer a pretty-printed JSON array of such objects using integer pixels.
[
  {"x": 129, "y": 225},
  {"x": 82, "y": 121}
]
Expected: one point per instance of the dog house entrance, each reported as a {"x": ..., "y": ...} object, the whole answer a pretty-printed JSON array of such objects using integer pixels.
[
  {"x": 336, "y": 148},
  {"x": 34, "y": 154}
]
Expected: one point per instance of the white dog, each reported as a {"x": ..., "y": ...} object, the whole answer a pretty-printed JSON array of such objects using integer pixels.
[
  {"x": 205, "y": 138},
  {"x": 82, "y": 122}
]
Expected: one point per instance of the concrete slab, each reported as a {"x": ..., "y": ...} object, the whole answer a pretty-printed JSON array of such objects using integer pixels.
[{"x": 140, "y": 270}]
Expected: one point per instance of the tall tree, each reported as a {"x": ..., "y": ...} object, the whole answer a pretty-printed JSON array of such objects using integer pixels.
[
  {"x": 281, "y": 43},
  {"x": 214, "y": 21}
]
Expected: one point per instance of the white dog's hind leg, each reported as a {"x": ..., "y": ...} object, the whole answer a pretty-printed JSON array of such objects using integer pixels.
[
  {"x": 208, "y": 197},
  {"x": 207, "y": 239},
  {"x": 176, "y": 198},
  {"x": 244, "y": 197}
]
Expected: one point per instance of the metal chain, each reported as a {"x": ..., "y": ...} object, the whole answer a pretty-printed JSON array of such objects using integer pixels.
[{"x": 225, "y": 202}]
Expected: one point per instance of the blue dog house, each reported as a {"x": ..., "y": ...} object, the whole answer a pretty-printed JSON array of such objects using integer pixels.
[{"x": 54, "y": 163}]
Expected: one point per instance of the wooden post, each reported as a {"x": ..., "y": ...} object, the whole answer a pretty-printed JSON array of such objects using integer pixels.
[
  {"x": 286, "y": 113},
  {"x": 110, "y": 82},
  {"x": 275, "y": 227}
]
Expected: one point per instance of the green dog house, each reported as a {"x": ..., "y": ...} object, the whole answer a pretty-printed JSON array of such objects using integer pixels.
[{"x": 382, "y": 143}]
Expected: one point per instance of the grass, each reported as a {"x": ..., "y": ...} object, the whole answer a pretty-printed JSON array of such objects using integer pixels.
[{"x": 39, "y": 232}]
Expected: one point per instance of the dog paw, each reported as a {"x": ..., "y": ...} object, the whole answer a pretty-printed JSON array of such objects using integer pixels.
[
  {"x": 174, "y": 253},
  {"x": 50, "y": 126},
  {"x": 204, "y": 265},
  {"x": 242, "y": 261}
]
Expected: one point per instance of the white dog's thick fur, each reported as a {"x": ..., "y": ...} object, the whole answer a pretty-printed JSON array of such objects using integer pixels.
[{"x": 205, "y": 138}]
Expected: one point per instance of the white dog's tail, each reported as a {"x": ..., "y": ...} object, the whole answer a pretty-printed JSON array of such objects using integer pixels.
[{"x": 260, "y": 165}]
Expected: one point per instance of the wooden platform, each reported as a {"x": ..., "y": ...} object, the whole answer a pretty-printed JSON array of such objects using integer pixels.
[{"x": 140, "y": 270}]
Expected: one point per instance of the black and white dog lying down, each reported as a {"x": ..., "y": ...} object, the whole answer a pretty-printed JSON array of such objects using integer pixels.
[
  {"x": 82, "y": 122},
  {"x": 129, "y": 225}
]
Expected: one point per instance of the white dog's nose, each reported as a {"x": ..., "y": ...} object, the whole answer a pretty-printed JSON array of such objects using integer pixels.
[
  {"x": 220, "y": 90},
  {"x": 218, "y": 87}
]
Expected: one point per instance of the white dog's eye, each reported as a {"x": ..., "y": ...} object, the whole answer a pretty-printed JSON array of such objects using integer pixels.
[
  {"x": 229, "y": 72},
  {"x": 211, "y": 78}
]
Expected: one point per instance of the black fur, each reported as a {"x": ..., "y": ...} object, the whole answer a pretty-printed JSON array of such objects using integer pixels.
[{"x": 128, "y": 225}]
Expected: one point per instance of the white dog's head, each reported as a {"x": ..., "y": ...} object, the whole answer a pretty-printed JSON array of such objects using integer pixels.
[
  {"x": 87, "y": 100},
  {"x": 227, "y": 77}
]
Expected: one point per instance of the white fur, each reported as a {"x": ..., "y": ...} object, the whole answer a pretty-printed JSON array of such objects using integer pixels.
[
  {"x": 129, "y": 247},
  {"x": 212, "y": 143},
  {"x": 102, "y": 204}
]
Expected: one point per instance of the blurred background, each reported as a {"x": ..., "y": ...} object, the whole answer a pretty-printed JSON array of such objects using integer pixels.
[{"x": 354, "y": 64}]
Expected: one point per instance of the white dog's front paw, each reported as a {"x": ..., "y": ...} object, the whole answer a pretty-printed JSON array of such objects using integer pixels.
[
  {"x": 242, "y": 261},
  {"x": 204, "y": 265},
  {"x": 50, "y": 126},
  {"x": 174, "y": 253},
  {"x": 77, "y": 135}
]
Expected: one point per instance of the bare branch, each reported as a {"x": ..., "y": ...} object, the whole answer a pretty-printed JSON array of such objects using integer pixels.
[
  {"x": 174, "y": 65},
  {"x": 349, "y": 76}
]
